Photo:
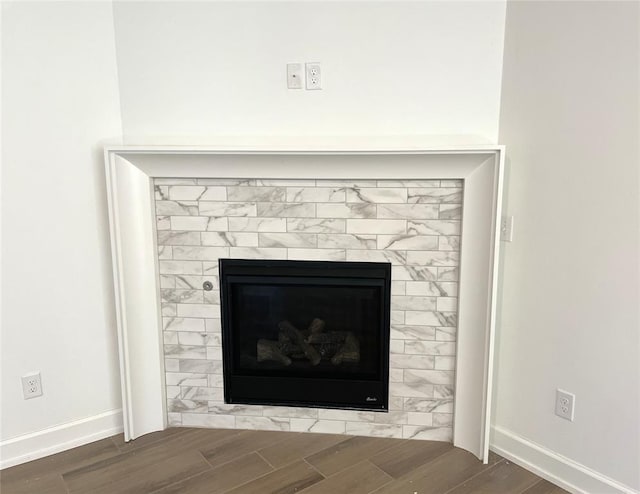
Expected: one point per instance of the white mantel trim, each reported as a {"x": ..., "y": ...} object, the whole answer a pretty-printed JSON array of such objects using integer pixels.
[{"x": 130, "y": 170}]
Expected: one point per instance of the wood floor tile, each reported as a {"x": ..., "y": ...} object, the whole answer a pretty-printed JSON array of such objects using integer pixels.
[
  {"x": 408, "y": 455},
  {"x": 439, "y": 475},
  {"x": 299, "y": 445},
  {"x": 240, "y": 445},
  {"x": 222, "y": 478},
  {"x": 42, "y": 484},
  {"x": 135, "y": 474},
  {"x": 361, "y": 478},
  {"x": 289, "y": 479},
  {"x": 347, "y": 453},
  {"x": 503, "y": 478},
  {"x": 147, "y": 439},
  {"x": 545, "y": 487}
]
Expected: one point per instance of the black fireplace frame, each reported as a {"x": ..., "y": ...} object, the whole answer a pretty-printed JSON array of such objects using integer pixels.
[{"x": 323, "y": 392}]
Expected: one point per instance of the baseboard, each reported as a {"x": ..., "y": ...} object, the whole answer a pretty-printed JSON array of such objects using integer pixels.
[
  {"x": 562, "y": 471},
  {"x": 59, "y": 438}
]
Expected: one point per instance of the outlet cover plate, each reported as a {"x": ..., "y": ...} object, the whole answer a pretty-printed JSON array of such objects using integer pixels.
[
  {"x": 294, "y": 75},
  {"x": 31, "y": 385},
  {"x": 565, "y": 404},
  {"x": 314, "y": 75}
]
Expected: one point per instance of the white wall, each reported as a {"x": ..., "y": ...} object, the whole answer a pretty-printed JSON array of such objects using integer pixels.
[
  {"x": 197, "y": 70},
  {"x": 60, "y": 100},
  {"x": 569, "y": 313}
]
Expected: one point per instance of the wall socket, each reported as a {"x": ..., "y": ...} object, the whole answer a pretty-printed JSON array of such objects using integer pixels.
[
  {"x": 314, "y": 76},
  {"x": 31, "y": 385},
  {"x": 565, "y": 403}
]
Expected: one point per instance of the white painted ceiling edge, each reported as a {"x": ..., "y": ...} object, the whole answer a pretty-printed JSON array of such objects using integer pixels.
[{"x": 130, "y": 170}]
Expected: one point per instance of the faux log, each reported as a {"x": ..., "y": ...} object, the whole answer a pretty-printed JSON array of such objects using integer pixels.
[
  {"x": 298, "y": 338},
  {"x": 268, "y": 350},
  {"x": 348, "y": 352},
  {"x": 316, "y": 327}
]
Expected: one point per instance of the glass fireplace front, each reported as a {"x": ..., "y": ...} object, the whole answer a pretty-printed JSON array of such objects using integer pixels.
[{"x": 306, "y": 333}]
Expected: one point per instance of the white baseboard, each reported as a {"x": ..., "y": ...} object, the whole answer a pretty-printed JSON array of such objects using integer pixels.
[
  {"x": 59, "y": 438},
  {"x": 562, "y": 471}
]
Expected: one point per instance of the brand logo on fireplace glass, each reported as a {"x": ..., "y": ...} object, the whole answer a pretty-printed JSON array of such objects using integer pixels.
[{"x": 369, "y": 398}]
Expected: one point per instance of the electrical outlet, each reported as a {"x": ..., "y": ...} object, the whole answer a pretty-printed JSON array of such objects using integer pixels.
[
  {"x": 31, "y": 385},
  {"x": 294, "y": 75},
  {"x": 565, "y": 404},
  {"x": 314, "y": 76},
  {"x": 506, "y": 229}
]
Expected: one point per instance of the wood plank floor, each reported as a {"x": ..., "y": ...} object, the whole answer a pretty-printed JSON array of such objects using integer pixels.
[{"x": 209, "y": 461}]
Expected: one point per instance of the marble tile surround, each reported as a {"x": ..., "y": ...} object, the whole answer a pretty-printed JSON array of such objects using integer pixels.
[{"x": 414, "y": 224}]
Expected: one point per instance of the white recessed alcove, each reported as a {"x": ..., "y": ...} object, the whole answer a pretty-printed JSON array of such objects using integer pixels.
[{"x": 131, "y": 170}]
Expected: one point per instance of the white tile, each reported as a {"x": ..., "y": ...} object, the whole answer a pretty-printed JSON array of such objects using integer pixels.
[
  {"x": 450, "y": 212},
  {"x": 199, "y": 223},
  {"x": 408, "y": 211},
  {"x": 316, "y": 225},
  {"x": 449, "y": 243},
  {"x": 183, "y": 324},
  {"x": 222, "y": 209},
  {"x": 353, "y": 415},
  {"x": 346, "y": 241},
  {"x": 214, "y": 353},
  {"x": 445, "y": 363},
  {"x": 430, "y": 347},
  {"x": 165, "y": 252},
  {"x": 391, "y": 417},
  {"x": 212, "y": 325},
  {"x": 375, "y": 430},
  {"x": 319, "y": 426},
  {"x": 428, "y": 376},
  {"x": 201, "y": 367},
  {"x": 396, "y": 375},
  {"x": 419, "y": 418},
  {"x": 406, "y": 332},
  {"x": 176, "y": 208},
  {"x": 171, "y": 364},
  {"x": 258, "y": 224},
  {"x": 317, "y": 254},
  {"x": 199, "y": 310},
  {"x": 192, "y": 406},
  {"x": 256, "y": 194},
  {"x": 398, "y": 287},
  {"x": 180, "y": 267},
  {"x": 167, "y": 281},
  {"x": 341, "y": 210},
  {"x": 394, "y": 257},
  {"x": 407, "y": 242},
  {"x": 411, "y": 390},
  {"x": 202, "y": 393},
  {"x": 286, "y": 182},
  {"x": 452, "y": 183},
  {"x": 346, "y": 183},
  {"x": 174, "y": 419},
  {"x": 377, "y": 195},
  {"x": 434, "y": 196},
  {"x": 431, "y": 318},
  {"x": 169, "y": 237},
  {"x": 297, "y": 412},
  {"x": 257, "y": 253},
  {"x": 199, "y": 253},
  {"x": 408, "y": 183},
  {"x": 427, "y": 433},
  {"x": 413, "y": 273},
  {"x": 315, "y": 194},
  {"x": 185, "y": 379},
  {"x": 433, "y": 258},
  {"x": 448, "y": 274},
  {"x": 197, "y": 193},
  {"x": 396, "y": 346},
  {"x": 233, "y": 239},
  {"x": 300, "y": 240},
  {"x": 177, "y": 296},
  {"x": 192, "y": 338},
  {"x": 434, "y": 227},
  {"x": 286, "y": 210},
  {"x": 432, "y": 288},
  {"x": 163, "y": 222},
  {"x": 168, "y": 310},
  {"x": 226, "y": 181},
  {"x": 397, "y": 317},
  {"x": 411, "y": 362},
  {"x": 447, "y": 304},
  {"x": 446, "y": 334},
  {"x": 225, "y": 409},
  {"x": 208, "y": 420},
  {"x": 428, "y": 405},
  {"x": 443, "y": 419},
  {"x": 262, "y": 423},
  {"x": 193, "y": 282},
  {"x": 412, "y": 302},
  {"x": 377, "y": 227},
  {"x": 185, "y": 351}
]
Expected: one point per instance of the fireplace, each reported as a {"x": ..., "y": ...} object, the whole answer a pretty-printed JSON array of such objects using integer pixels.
[{"x": 306, "y": 333}]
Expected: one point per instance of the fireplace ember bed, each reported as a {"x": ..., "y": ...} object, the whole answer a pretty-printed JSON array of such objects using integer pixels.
[{"x": 306, "y": 333}]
